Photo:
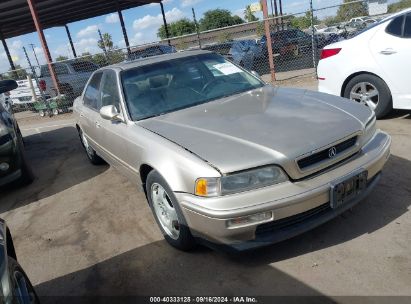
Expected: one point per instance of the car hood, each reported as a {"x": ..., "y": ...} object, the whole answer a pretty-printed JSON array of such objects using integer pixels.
[{"x": 263, "y": 126}]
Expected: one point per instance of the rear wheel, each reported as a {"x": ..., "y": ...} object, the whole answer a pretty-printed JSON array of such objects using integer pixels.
[
  {"x": 371, "y": 91},
  {"x": 91, "y": 153},
  {"x": 167, "y": 212}
]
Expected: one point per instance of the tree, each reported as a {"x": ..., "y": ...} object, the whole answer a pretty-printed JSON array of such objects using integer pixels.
[
  {"x": 303, "y": 22},
  {"x": 218, "y": 18},
  {"x": 61, "y": 58},
  {"x": 348, "y": 11},
  {"x": 395, "y": 7},
  {"x": 248, "y": 14},
  {"x": 106, "y": 43},
  {"x": 177, "y": 28},
  {"x": 18, "y": 73}
]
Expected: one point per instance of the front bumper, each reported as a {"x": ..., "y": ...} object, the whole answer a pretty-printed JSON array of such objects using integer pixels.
[{"x": 207, "y": 217}]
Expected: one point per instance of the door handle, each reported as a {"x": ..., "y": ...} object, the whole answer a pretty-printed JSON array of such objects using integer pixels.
[
  {"x": 97, "y": 124},
  {"x": 388, "y": 51}
]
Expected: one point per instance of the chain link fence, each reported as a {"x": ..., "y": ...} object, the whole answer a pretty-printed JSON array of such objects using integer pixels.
[{"x": 293, "y": 46}]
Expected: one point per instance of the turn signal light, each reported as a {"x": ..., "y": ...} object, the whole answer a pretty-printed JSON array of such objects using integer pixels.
[{"x": 325, "y": 53}]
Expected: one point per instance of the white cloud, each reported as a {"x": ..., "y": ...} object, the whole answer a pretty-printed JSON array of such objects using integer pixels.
[
  {"x": 239, "y": 13},
  {"x": 164, "y": 2},
  {"x": 88, "y": 31},
  {"x": 16, "y": 44},
  {"x": 152, "y": 22},
  {"x": 186, "y": 3},
  {"x": 112, "y": 18}
]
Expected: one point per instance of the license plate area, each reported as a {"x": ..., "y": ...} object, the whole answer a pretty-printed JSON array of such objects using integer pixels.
[{"x": 344, "y": 191}]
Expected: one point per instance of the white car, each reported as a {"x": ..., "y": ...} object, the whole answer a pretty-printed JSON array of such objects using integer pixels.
[{"x": 373, "y": 67}]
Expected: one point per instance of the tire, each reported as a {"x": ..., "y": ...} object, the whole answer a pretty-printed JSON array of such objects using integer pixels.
[
  {"x": 22, "y": 289},
  {"x": 383, "y": 102},
  {"x": 184, "y": 240},
  {"x": 27, "y": 175},
  {"x": 90, "y": 152}
]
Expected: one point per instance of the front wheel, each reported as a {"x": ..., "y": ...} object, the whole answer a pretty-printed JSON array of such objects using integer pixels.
[
  {"x": 371, "y": 91},
  {"x": 167, "y": 212}
]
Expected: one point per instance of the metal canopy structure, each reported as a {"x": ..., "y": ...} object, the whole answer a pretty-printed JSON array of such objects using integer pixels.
[
  {"x": 19, "y": 17},
  {"x": 16, "y": 19}
]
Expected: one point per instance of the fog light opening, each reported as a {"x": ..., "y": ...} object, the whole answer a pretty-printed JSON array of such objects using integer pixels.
[
  {"x": 248, "y": 220},
  {"x": 4, "y": 166}
]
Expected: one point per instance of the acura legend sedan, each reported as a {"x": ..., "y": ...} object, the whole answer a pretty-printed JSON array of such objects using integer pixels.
[{"x": 224, "y": 157}]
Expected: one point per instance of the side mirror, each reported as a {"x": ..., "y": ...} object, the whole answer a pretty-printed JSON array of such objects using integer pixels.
[
  {"x": 7, "y": 85},
  {"x": 110, "y": 113}
]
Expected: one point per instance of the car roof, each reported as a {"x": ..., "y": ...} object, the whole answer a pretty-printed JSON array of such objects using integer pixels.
[{"x": 155, "y": 59}]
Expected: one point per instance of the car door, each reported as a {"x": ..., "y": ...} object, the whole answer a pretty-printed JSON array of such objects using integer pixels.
[
  {"x": 89, "y": 111},
  {"x": 114, "y": 133},
  {"x": 391, "y": 48}
]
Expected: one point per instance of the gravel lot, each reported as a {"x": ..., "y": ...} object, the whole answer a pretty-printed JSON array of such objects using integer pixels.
[{"x": 85, "y": 230}]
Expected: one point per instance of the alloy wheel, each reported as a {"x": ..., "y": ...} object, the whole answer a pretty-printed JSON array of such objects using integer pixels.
[
  {"x": 365, "y": 93},
  {"x": 165, "y": 211}
]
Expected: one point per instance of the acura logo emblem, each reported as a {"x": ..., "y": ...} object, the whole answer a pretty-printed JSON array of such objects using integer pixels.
[{"x": 332, "y": 152}]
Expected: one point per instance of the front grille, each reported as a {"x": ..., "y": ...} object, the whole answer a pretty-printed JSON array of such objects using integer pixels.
[
  {"x": 323, "y": 155},
  {"x": 292, "y": 220}
]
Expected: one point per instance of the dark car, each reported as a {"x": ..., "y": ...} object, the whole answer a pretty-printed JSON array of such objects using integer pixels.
[
  {"x": 152, "y": 50},
  {"x": 15, "y": 285},
  {"x": 13, "y": 162},
  {"x": 287, "y": 43}
]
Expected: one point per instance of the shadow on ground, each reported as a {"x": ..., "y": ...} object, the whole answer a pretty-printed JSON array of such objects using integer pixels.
[
  {"x": 58, "y": 162},
  {"x": 158, "y": 269}
]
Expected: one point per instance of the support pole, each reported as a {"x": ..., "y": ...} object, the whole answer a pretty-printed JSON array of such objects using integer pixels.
[
  {"x": 281, "y": 13},
  {"x": 197, "y": 27},
  {"x": 70, "y": 40},
  {"x": 34, "y": 53},
  {"x": 6, "y": 49},
  {"x": 123, "y": 28},
  {"x": 313, "y": 42},
  {"x": 276, "y": 14},
  {"x": 39, "y": 30},
  {"x": 165, "y": 23},
  {"x": 268, "y": 35}
]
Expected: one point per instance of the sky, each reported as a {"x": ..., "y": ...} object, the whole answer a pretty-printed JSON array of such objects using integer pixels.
[{"x": 141, "y": 24}]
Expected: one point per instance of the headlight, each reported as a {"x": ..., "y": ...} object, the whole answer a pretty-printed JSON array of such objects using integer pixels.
[{"x": 242, "y": 181}]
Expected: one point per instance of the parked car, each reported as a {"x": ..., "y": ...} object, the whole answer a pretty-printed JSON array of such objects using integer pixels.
[
  {"x": 287, "y": 43},
  {"x": 15, "y": 285},
  {"x": 22, "y": 97},
  {"x": 72, "y": 76},
  {"x": 373, "y": 67},
  {"x": 225, "y": 157},
  {"x": 243, "y": 52},
  {"x": 13, "y": 162},
  {"x": 152, "y": 50}
]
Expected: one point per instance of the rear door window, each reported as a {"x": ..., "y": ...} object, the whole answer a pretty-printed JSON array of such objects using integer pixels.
[
  {"x": 395, "y": 26},
  {"x": 92, "y": 93}
]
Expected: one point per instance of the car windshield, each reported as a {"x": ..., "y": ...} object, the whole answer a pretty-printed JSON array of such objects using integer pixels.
[{"x": 168, "y": 86}]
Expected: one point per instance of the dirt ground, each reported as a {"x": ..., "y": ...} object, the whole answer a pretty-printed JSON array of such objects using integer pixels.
[{"x": 85, "y": 230}]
